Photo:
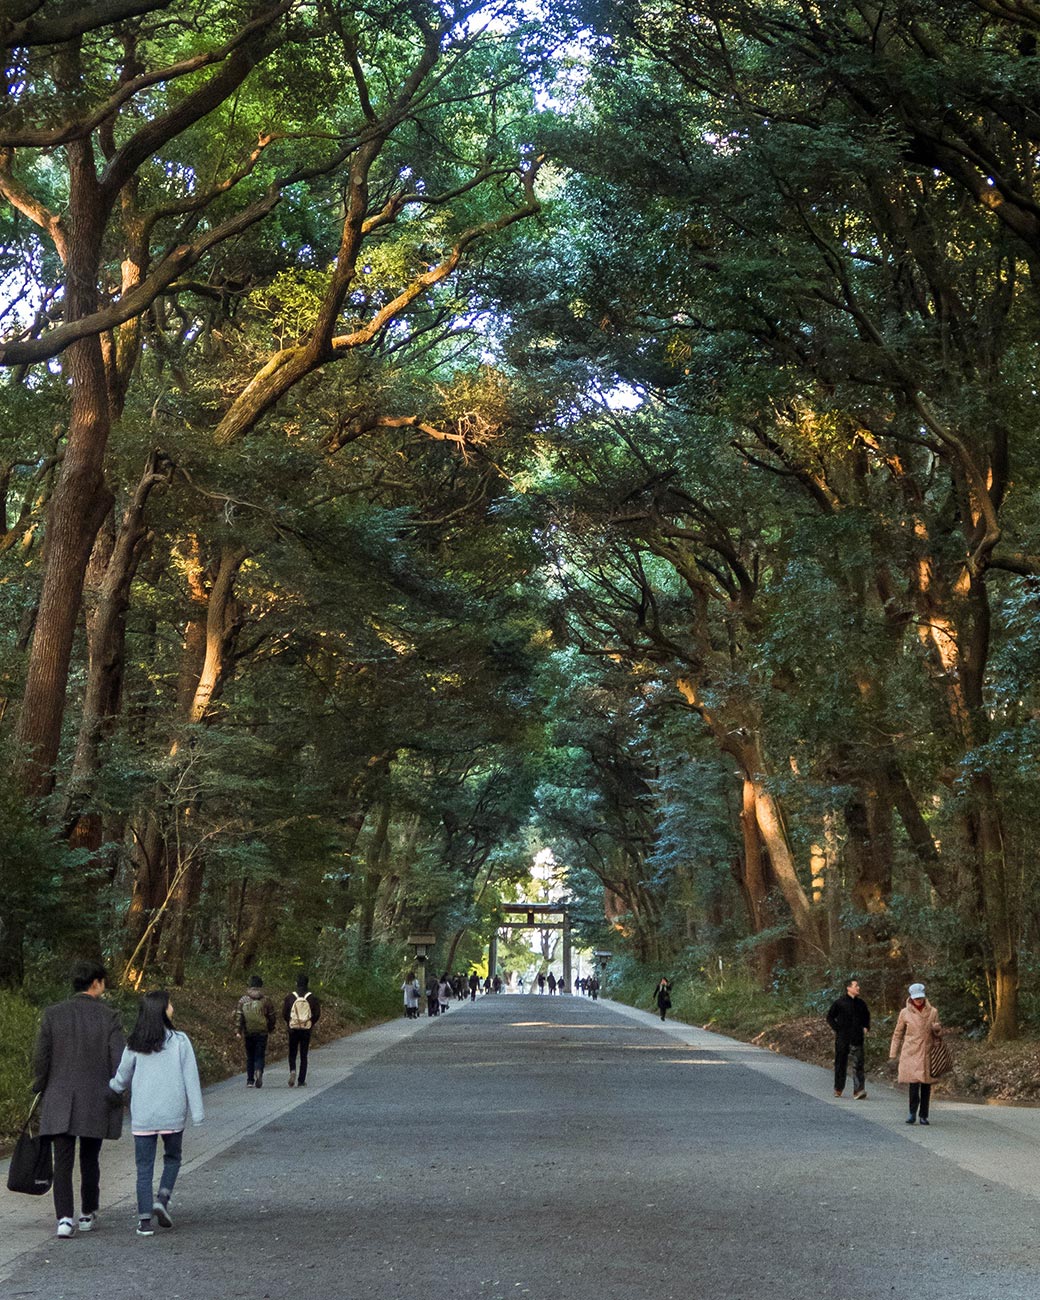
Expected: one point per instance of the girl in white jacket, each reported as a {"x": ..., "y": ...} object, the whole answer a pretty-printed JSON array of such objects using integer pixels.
[{"x": 159, "y": 1067}]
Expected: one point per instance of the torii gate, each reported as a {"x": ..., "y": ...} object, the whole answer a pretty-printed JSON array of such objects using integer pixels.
[{"x": 530, "y": 912}]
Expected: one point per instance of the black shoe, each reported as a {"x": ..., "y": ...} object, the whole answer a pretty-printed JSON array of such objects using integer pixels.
[
  {"x": 302, "y": 1083},
  {"x": 912, "y": 1119},
  {"x": 161, "y": 1211},
  {"x": 145, "y": 1229},
  {"x": 259, "y": 1081},
  {"x": 922, "y": 1120}
]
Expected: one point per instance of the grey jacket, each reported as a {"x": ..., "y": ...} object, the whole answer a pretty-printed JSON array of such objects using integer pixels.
[
  {"x": 77, "y": 1049},
  {"x": 163, "y": 1085}
]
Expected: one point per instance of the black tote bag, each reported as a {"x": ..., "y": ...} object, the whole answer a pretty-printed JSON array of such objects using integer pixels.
[{"x": 32, "y": 1162}]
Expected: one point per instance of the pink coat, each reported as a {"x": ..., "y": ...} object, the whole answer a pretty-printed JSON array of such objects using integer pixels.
[{"x": 912, "y": 1042}]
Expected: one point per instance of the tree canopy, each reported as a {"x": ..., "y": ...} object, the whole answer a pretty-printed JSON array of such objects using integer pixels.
[{"x": 438, "y": 432}]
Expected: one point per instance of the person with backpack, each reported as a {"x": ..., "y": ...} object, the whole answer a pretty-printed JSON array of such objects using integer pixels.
[
  {"x": 300, "y": 1011},
  {"x": 159, "y": 1067},
  {"x": 254, "y": 1020}
]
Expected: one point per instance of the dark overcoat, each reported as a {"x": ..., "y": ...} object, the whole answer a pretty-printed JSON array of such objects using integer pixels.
[{"x": 77, "y": 1051}]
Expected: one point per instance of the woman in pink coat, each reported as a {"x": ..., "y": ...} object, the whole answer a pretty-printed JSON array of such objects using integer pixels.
[{"x": 916, "y": 1029}]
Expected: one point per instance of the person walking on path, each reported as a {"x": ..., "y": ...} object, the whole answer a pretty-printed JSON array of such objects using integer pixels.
[
  {"x": 916, "y": 1030},
  {"x": 849, "y": 1017},
  {"x": 77, "y": 1050},
  {"x": 410, "y": 989},
  {"x": 301, "y": 1011},
  {"x": 159, "y": 1067},
  {"x": 663, "y": 996},
  {"x": 254, "y": 1020},
  {"x": 474, "y": 984},
  {"x": 551, "y": 981}
]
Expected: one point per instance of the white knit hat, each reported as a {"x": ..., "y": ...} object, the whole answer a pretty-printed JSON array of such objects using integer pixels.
[{"x": 917, "y": 990}]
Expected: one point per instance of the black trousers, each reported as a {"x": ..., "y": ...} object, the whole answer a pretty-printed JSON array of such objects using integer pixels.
[
  {"x": 89, "y": 1174},
  {"x": 256, "y": 1055},
  {"x": 299, "y": 1041},
  {"x": 920, "y": 1096},
  {"x": 844, "y": 1051}
]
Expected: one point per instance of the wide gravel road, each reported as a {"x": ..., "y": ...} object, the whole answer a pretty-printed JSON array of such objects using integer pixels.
[{"x": 565, "y": 1150}]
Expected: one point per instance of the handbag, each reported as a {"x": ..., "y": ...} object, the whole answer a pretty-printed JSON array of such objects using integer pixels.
[
  {"x": 32, "y": 1162},
  {"x": 940, "y": 1061}
]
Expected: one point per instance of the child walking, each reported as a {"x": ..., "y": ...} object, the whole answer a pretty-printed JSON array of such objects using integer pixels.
[{"x": 159, "y": 1063}]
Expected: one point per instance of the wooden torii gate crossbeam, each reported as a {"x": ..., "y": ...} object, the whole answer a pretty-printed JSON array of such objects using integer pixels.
[{"x": 530, "y": 914}]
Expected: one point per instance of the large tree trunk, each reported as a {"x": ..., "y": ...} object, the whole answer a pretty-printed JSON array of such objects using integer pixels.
[
  {"x": 223, "y": 622},
  {"x": 375, "y": 861},
  {"x": 957, "y": 630},
  {"x": 106, "y": 641},
  {"x": 162, "y": 866},
  {"x": 81, "y": 499},
  {"x": 734, "y": 736}
]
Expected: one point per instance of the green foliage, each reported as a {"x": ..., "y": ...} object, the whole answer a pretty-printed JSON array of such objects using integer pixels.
[{"x": 18, "y": 1021}]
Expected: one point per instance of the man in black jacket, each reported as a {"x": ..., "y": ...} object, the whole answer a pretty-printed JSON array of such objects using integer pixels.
[{"x": 849, "y": 1017}]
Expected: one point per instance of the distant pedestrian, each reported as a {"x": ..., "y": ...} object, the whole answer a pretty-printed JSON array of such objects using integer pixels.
[
  {"x": 849, "y": 1017},
  {"x": 301, "y": 1011},
  {"x": 496, "y": 984},
  {"x": 594, "y": 987},
  {"x": 410, "y": 989},
  {"x": 551, "y": 981},
  {"x": 663, "y": 996},
  {"x": 577, "y": 985},
  {"x": 520, "y": 983},
  {"x": 77, "y": 1050},
  {"x": 254, "y": 1020},
  {"x": 433, "y": 1004},
  {"x": 916, "y": 1030},
  {"x": 158, "y": 1066},
  {"x": 474, "y": 984},
  {"x": 444, "y": 993},
  {"x": 541, "y": 981}
]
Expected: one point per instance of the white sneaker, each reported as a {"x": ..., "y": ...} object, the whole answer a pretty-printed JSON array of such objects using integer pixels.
[
  {"x": 87, "y": 1222},
  {"x": 66, "y": 1228}
]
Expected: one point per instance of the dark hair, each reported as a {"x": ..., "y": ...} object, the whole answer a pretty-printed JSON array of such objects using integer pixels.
[
  {"x": 302, "y": 983},
  {"x": 853, "y": 979},
  {"x": 153, "y": 1024},
  {"x": 255, "y": 982},
  {"x": 84, "y": 973}
]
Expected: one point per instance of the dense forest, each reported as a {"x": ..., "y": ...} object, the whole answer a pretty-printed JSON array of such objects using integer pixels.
[{"x": 439, "y": 432}]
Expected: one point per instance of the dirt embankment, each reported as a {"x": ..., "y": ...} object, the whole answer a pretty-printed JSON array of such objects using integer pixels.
[{"x": 994, "y": 1072}]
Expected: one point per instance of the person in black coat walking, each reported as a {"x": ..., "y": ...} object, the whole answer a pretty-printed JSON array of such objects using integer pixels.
[
  {"x": 78, "y": 1049},
  {"x": 849, "y": 1017},
  {"x": 663, "y": 996}
]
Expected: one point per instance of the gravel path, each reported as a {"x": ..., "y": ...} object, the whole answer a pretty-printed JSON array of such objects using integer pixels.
[{"x": 552, "y": 1147}]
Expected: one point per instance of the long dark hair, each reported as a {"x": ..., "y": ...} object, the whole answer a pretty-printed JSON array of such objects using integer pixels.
[{"x": 153, "y": 1024}]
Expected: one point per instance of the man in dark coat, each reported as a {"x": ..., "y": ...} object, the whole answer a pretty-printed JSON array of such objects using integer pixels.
[
  {"x": 77, "y": 1051},
  {"x": 849, "y": 1017}
]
